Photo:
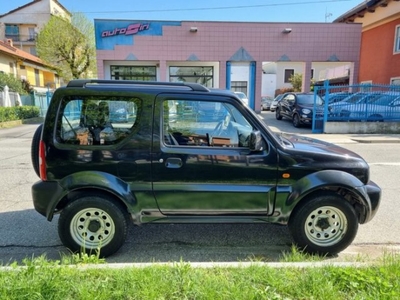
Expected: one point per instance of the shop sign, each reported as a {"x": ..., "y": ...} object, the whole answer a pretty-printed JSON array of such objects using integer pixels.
[{"x": 129, "y": 30}]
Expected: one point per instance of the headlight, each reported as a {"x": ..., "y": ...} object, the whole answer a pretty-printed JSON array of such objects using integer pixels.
[{"x": 306, "y": 111}]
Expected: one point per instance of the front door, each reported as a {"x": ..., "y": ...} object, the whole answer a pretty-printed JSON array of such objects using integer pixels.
[{"x": 202, "y": 164}]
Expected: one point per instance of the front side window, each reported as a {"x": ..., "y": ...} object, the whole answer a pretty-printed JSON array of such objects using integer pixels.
[
  {"x": 205, "y": 124},
  {"x": 96, "y": 120},
  {"x": 141, "y": 73},
  {"x": 397, "y": 40}
]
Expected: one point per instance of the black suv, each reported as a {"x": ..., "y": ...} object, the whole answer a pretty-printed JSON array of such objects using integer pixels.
[
  {"x": 298, "y": 107},
  {"x": 110, "y": 151}
]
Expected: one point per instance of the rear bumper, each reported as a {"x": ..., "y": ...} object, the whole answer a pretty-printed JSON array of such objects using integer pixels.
[{"x": 45, "y": 194}]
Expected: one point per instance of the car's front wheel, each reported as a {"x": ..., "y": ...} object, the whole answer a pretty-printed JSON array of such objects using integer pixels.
[
  {"x": 278, "y": 114},
  {"x": 94, "y": 224},
  {"x": 296, "y": 121},
  {"x": 326, "y": 224}
]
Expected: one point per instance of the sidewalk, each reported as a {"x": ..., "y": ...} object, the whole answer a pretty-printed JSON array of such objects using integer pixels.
[
  {"x": 287, "y": 127},
  {"x": 356, "y": 138}
]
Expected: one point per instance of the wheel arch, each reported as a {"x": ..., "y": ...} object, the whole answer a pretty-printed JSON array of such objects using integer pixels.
[
  {"x": 92, "y": 182},
  {"x": 341, "y": 183},
  {"x": 77, "y": 193}
]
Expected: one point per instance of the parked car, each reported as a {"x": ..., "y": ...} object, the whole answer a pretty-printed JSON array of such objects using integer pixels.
[
  {"x": 266, "y": 102},
  {"x": 354, "y": 100},
  {"x": 384, "y": 108},
  {"x": 274, "y": 103},
  {"x": 160, "y": 168},
  {"x": 298, "y": 107},
  {"x": 337, "y": 97},
  {"x": 242, "y": 96}
]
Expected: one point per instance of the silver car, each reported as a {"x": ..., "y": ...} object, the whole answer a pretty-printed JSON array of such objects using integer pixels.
[
  {"x": 266, "y": 102},
  {"x": 274, "y": 103}
]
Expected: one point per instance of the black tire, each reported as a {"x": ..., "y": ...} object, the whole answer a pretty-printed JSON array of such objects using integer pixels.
[
  {"x": 93, "y": 222},
  {"x": 375, "y": 118},
  {"x": 327, "y": 210},
  {"x": 278, "y": 114},
  {"x": 35, "y": 149},
  {"x": 296, "y": 121}
]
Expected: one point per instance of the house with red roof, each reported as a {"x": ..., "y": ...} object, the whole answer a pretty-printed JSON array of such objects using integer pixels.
[
  {"x": 23, "y": 23},
  {"x": 18, "y": 30},
  {"x": 26, "y": 66}
]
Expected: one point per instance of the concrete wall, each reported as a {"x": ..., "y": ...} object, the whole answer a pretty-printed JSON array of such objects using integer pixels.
[{"x": 362, "y": 127}]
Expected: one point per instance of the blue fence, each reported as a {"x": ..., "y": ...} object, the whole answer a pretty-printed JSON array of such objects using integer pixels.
[
  {"x": 42, "y": 100},
  {"x": 356, "y": 103}
]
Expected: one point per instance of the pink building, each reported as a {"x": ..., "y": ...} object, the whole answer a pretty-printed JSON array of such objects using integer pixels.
[{"x": 227, "y": 55}]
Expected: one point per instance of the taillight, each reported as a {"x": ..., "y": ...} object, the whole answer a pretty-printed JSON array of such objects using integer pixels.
[{"x": 42, "y": 161}]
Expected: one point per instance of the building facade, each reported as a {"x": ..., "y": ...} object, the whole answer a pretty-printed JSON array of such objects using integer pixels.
[
  {"x": 227, "y": 55},
  {"x": 25, "y": 66},
  {"x": 22, "y": 24},
  {"x": 380, "y": 43}
]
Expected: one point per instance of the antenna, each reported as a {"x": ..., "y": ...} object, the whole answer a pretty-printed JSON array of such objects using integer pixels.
[{"x": 327, "y": 15}]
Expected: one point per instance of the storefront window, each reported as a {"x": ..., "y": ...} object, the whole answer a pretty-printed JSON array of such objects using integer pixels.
[
  {"x": 202, "y": 75},
  {"x": 143, "y": 73},
  {"x": 239, "y": 86}
]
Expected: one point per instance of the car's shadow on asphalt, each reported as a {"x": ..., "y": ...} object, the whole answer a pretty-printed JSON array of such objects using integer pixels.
[{"x": 150, "y": 242}]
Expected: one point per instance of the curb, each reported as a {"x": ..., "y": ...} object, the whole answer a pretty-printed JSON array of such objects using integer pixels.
[
  {"x": 209, "y": 265},
  {"x": 10, "y": 124}
]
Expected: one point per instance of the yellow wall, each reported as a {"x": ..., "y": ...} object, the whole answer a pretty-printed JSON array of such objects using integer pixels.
[{"x": 45, "y": 77}]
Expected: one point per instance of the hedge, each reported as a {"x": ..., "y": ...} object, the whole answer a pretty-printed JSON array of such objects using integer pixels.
[{"x": 18, "y": 113}]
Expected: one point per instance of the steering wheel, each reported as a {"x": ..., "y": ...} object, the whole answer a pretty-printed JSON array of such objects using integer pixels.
[{"x": 222, "y": 128}]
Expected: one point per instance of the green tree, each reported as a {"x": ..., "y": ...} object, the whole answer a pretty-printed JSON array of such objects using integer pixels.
[
  {"x": 69, "y": 46},
  {"x": 297, "y": 81},
  {"x": 13, "y": 83}
]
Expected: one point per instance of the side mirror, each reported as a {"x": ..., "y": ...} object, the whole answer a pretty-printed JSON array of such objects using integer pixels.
[{"x": 256, "y": 143}]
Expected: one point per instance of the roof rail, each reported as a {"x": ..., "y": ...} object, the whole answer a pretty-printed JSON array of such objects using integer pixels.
[{"x": 80, "y": 83}]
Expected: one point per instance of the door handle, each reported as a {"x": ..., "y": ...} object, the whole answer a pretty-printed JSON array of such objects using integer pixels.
[{"x": 173, "y": 163}]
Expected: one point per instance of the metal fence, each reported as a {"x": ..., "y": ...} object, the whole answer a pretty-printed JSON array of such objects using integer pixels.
[
  {"x": 356, "y": 103},
  {"x": 42, "y": 100}
]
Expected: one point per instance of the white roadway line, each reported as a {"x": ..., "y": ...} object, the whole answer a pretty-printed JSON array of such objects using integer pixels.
[{"x": 385, "y": 164}]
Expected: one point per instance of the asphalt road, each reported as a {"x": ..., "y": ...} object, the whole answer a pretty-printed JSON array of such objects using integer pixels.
[{"x": 25, "y": 233}]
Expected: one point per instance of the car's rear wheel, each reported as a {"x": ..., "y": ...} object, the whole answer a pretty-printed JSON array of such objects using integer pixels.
[
  {"x": 296, "y": 121},
  {"x": 35, "y": 149},
  {"x": 324, "y": 225},
  {"x": 93, "y": 224},
  {"x": 375, "y": 118},
  {"x": 278, "y": 114}
]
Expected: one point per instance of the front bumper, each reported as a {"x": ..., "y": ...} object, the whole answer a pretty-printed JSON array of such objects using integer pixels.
[{"x": 374, "y": 193}]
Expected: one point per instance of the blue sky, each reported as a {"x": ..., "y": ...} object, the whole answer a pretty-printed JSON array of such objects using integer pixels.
[{"x": 206, "y": 10}]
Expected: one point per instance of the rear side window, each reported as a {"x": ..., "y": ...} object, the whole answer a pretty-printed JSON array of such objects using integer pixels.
[{"x": 96, "y": 120}]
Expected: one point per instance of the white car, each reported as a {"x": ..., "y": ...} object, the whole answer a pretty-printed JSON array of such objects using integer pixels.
[
  {"x": 274, "y": 103},
  {"x": 243, "y": 97}
]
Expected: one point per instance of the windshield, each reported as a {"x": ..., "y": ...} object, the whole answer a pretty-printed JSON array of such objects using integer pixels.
[
  {"x": 241, "y": 95},
  {"x": 309, "y": 99}
]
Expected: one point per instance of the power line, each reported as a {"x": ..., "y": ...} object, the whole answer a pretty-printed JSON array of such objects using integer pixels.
[
  {"x": 217, "y": 8},
  {"x": 206, "y": 8}
]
